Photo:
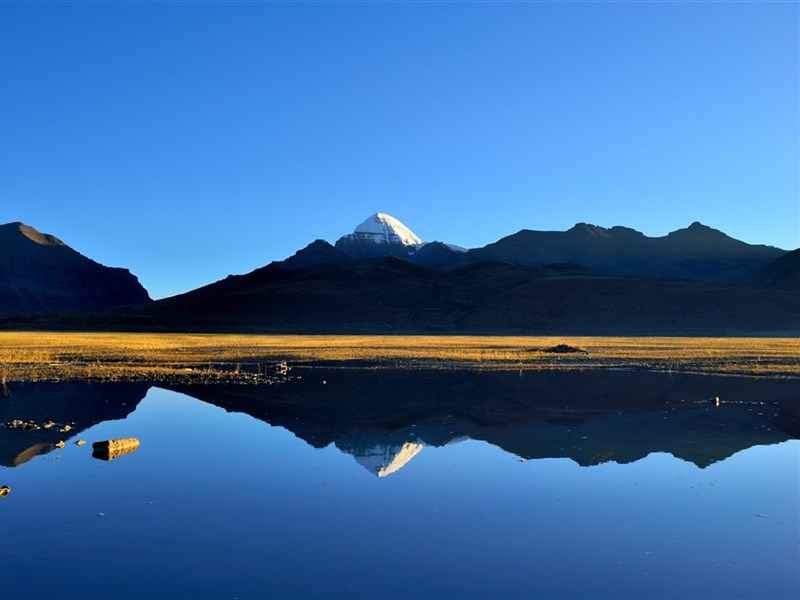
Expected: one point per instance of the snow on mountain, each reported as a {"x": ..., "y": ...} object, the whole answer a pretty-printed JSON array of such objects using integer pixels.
[
  {"x": 383, "y": 460},
  {"x": 382, "y": 228},
  {"x": 382, "y": 235}
]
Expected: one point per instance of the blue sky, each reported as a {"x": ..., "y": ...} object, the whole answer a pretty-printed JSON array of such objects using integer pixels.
[{"x": 189, "y": 142}]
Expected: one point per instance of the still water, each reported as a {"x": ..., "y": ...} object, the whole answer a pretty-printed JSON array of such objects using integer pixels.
[{"x": 389, "y": 484}]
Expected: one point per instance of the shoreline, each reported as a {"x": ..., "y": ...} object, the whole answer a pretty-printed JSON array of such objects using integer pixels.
[{"x": 260, "y": 359}]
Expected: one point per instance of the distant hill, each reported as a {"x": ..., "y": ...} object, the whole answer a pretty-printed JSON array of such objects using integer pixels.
[
  {"x": 39, "y": 273},
  {"x": 696, "y": 252},
  {"x": 784, "y": 272}
]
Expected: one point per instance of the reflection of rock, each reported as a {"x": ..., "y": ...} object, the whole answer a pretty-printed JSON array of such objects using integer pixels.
[
  {"x": 385, "y": 460},
  {"x": 109, "y": 455},
  {"x": 384, "y": 417},
  {"x": 82, "y": 405},
  {"x": 24, "y": 425},
  {"x": 29, "y": 453}
]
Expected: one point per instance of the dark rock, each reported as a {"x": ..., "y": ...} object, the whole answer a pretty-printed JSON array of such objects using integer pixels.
[{"x": 565, "y": 349}]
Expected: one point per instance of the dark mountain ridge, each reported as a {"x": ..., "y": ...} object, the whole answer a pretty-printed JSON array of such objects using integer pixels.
[
  {"x": 696, "y": 252},
  {"x": 40, "y": 273},
  {"x": 392, "y": 295},
  {"x": 587, "y": 280},
  {"x": 784, "y": 272}
]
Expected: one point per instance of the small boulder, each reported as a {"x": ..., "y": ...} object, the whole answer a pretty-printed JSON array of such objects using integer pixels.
[
  {"x": 111, "y": 449},
  {"x": 565, "y": 349}
]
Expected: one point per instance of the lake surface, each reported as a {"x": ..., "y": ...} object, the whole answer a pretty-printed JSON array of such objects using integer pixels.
[{"x": 389, "y": 484}]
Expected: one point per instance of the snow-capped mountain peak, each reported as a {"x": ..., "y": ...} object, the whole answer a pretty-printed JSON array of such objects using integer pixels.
[
  {"x": 383, "y": 236},
  {"x": 383, "y": 228}
]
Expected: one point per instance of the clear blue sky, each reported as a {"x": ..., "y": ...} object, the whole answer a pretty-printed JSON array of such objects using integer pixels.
[{"x": 189, "y": 142}]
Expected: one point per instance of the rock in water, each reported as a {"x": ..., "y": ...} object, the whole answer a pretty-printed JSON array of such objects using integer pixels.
[{"x": 111, "y": 449}]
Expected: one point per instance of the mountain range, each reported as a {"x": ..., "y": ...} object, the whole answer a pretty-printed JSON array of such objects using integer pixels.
[
  {"x": 697, "y": 252},
  {"x": 385, "y": 278}
]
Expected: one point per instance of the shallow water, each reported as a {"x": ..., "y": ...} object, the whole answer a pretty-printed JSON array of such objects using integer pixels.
[{"x": 395, "y": 484}]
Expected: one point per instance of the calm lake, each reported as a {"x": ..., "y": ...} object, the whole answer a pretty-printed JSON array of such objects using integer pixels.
[{"x": 424, "y": 484}]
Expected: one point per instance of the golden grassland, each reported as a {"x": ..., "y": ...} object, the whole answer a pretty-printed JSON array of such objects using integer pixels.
[{"x": 42, "y": 356}]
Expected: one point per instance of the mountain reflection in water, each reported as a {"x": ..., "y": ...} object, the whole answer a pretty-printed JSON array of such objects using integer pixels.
[
  {"x": 385, "y": 418},
  {"x": 384, "y": 483},
  {"x": 80, "y": 405}
]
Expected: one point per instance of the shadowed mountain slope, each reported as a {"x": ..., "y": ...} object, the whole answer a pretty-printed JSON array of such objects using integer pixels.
[
  {"x": 697, "y": 252},
  {"x": 784, "y": 272},
  {"x": 393, "y": 295},
  {"x": 39, "y": 273},
  {"x": 382, "y": 278},
  {"x": 318, "y": 252}
]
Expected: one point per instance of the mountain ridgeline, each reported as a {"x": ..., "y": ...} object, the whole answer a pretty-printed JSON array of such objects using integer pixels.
[
  {"x": 588, "y": 279},
  {"x": 39, "y": 274},
  {"x": 384, "y": 278},
  {"x": 696, "y": 253}
]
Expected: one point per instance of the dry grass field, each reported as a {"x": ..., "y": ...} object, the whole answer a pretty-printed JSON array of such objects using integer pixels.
[{"x": 37, "y": 356}]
